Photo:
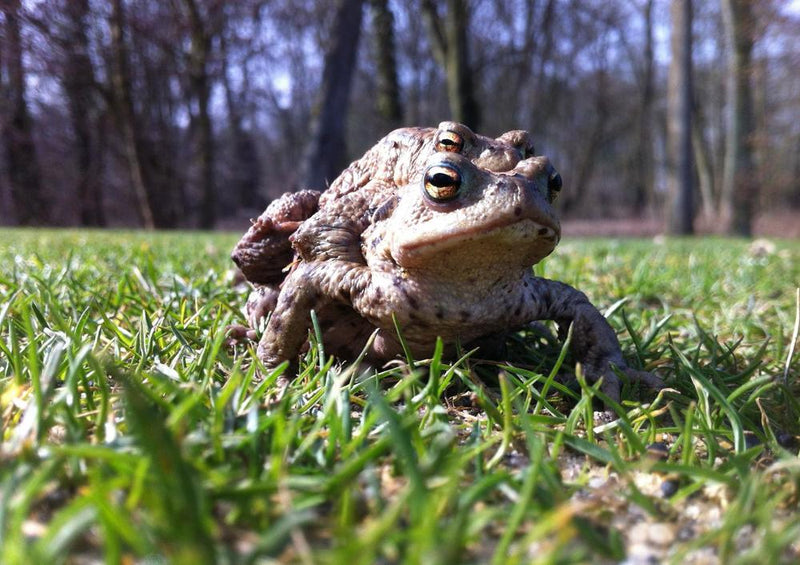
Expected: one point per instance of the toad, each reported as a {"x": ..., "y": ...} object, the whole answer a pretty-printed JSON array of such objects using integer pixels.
[{"x": 434, "y": 230}]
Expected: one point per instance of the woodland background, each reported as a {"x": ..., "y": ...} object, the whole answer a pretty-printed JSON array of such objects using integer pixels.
[{"x": 194, "y": 113}]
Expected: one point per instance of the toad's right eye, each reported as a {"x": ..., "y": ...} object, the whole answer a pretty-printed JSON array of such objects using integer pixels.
[
  {"x": 449, "y": 141},
  {"x": 442, "y": 183}
]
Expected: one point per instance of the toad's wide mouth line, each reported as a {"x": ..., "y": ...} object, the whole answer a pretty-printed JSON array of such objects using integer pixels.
[{"x": 540, "y": 231}]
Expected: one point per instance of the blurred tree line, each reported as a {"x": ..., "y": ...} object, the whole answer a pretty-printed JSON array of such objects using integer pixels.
[{"x": 186, "y": 113}]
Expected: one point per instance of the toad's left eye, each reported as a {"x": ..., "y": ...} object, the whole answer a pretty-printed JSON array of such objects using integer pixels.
[
  {"x": 554, "y": 184},
  {"x": 449, "y": 141},
  {"x": 442, "y": 182}
]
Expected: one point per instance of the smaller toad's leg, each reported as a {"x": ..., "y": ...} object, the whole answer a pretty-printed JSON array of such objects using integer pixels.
[
  {"x": 329, "y": 266},
  {"x": 264, "y": 251},
  {"x": 594, "y": 342},
  {"x": 308, "y": 286},
  {"x": 260, "y": 303}
]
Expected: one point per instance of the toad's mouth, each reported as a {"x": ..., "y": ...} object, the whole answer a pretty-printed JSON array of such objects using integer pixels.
[{"x": 503, "y": 241}]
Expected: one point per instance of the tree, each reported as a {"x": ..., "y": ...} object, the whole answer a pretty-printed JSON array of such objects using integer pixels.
[
  {"x": 739, "y": 182},
  {"x": 162, "y": 113},
  {"x": 17, "y": 127},
  {"x": 125, "y": 115},
  {"x": 705, "y": 169},
  {"x": 448, "y": 38},
  {"x": 78, "y": 81},
  {"x": 200, "y": 91},
  {"x": 388, "y": 99},
  {"x": 245, "y": 171},
  {"x": 326, "y": 152},
  {"x": 680, "y": 212},
  {"x": 643, "y": 166}
]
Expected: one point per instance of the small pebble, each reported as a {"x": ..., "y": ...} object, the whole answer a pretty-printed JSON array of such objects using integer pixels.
[
  {"x": 660, "y": 534},
  {"x": 658, "y": 450},
  {"x": 669, "y": 487},
  {"x": 786, "y": 440},
  {"x": 596, "y": 482},
  {"x": 603, "y": 417},
  {"x": 751, "y": 440}
]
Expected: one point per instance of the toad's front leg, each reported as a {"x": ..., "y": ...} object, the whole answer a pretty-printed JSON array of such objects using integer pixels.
[
  {"x": 308, "y": 287},
  {"x": 594, "y": 342}
]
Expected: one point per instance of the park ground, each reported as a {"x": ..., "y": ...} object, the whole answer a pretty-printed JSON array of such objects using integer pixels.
[{"x": 132, "y": 433}]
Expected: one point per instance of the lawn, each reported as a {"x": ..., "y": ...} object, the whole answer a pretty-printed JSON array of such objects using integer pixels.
[{"x": 132, "y": 433}]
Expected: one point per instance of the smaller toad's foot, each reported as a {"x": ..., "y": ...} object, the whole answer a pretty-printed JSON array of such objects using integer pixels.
[{"x": 238, "y": 334}]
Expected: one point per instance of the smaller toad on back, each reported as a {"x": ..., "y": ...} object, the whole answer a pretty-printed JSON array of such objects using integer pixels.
[{"x": 435, "y": 228}]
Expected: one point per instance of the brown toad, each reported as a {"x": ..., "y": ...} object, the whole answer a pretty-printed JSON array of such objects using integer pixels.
[{"x": 436, "y": 228}]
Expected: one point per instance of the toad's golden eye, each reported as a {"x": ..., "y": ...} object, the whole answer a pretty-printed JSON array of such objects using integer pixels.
[
  {"x": 442, "y": 182},
  {"x": 449, "y": 141},
  {"x": 554, "y": 184}
]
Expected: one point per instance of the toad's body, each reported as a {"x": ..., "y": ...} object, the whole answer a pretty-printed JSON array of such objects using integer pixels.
[{"x": 434, "y": 228}]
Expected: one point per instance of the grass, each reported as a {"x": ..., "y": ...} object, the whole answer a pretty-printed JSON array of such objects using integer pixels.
[{"x": 130, "y": 433}]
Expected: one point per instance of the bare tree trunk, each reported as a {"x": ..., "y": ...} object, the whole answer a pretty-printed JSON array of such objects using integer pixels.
[
  {"x": 585, "y": 165},
  {"x": 535, "y": 102},
  {"x": 705, "y": 172},
  {"x": 739, "y": 185},
  {"x": 449, "y": 44},
  {"x": 547, "y": 28},
  {"x": 198, "y": 78},
  {"x": 460, "y": 84},
  {"x": 644, "y": 150},
  {"x": 156, "y": 134},
  {"x": 388, "y": 102},
  {"x": 23, "y": 165},
  {"x": 246, "y": 171},
  {"x": 592, "y": 144},
  {"x": 79, "y": 86},
  {"x": 794, "y": 195},
  {"x": 126, "y": 119},
  {"x": 680, "y": 212},
  {"x": 326, "y": 152}
]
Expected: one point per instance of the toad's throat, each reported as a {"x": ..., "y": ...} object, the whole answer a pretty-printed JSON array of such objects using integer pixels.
[{"x": 527, "y": 239}]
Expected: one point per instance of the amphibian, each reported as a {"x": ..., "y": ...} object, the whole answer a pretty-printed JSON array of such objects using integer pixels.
[{"x": 437, "y": 228}]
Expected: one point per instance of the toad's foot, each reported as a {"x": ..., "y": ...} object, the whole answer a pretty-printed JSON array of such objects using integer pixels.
[{"x": 612, "y": 384}]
